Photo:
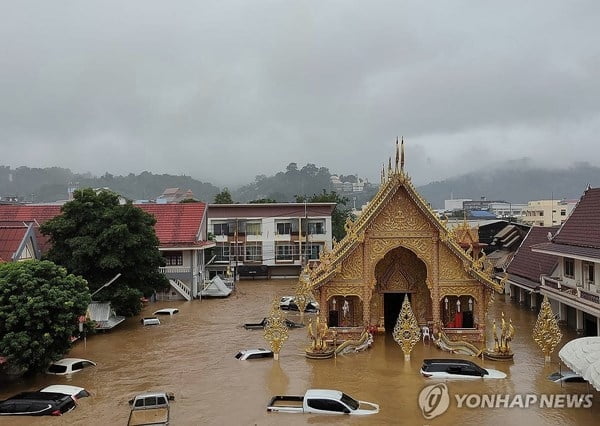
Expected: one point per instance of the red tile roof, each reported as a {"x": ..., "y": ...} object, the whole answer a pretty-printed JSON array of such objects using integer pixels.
[
  {"x": 582, "y": 228},
  {"x": 531, "y": 265},
  {"x": 29, "y": 213},
  {"x": 11, "y": 238},
  {"x": 176, "y": 223}
]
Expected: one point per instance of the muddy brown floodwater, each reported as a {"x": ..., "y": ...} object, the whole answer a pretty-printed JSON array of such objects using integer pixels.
[{"x": 192, "y": 355}]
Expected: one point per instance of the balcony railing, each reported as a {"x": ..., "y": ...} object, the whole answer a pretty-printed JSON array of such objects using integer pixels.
[
  {"x": 175, "y": 269},
  {"x": 594, "y": 298},
  {"x": 572, "y": 292}
]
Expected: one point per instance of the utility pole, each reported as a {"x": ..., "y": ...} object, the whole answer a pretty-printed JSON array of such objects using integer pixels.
[{"x": 306, "y": 225}]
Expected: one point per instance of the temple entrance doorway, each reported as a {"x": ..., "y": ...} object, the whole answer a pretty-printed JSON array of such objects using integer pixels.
[
  {"x": 398, "y": 273},
  {"x": 392, "y": 303}
]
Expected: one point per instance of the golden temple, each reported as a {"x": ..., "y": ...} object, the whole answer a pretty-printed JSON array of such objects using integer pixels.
[{"x": 399, "y": 246}]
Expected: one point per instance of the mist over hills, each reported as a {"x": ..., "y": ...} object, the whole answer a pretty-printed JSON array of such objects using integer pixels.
[
  {"x": 515, "y": 181},
  {"x": 518, "y": 182}
]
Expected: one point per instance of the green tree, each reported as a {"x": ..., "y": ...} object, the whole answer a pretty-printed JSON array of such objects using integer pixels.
[
  {"x": 340, "y": 213},
  {"x": 223, "y": 197},
  {"x": 96, "y": 237},
  {"x": 127, "y": 301},
  {"x": 39, "y": 307}
]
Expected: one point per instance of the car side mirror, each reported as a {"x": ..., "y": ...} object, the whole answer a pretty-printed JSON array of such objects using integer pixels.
[{"x": 346, "y": 411}]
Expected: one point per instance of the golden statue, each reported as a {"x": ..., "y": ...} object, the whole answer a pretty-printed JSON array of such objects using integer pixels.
[
  {"x": 546, "y": 332},
  {"x": 496, "y": 345},
  {"x": 501, "y": 351},
  {"x": 318, "y": 345}
]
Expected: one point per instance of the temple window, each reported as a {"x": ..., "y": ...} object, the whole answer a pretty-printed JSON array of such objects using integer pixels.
[{"x": 458, "y": 312}]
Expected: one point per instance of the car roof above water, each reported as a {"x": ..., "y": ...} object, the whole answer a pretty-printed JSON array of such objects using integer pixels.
[{"x": 448, "y": 361}]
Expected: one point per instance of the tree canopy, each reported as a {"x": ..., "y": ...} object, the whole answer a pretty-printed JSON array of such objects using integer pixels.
[
  {"x": 223, "y": 197},
  {"x": 96, "y": 237},
  {"x": 340, "y": 213},
  {"x": 39, "y": 306}
]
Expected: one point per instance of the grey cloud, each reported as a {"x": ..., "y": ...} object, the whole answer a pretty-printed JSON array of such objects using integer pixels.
[{"x": 227, "y": 90}]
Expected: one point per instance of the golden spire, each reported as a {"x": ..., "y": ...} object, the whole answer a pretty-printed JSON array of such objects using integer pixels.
[
  {"x": 406, "y": 332},
  {"x": 402, "y": 155},
  {"x": 397, "y": 154},
  {"x": 546, "y": 332},
  {"x": 276, "y": 331}
]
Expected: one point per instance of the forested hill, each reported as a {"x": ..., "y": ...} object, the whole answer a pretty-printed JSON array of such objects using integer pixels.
[
  {"x": 50, "y": 184},
  {"x": 516, "y": 184}
]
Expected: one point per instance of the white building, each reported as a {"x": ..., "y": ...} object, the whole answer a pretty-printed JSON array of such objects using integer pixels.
[
  {"x": 269, "y": 240},
  {"x": 547, "y": 212}
]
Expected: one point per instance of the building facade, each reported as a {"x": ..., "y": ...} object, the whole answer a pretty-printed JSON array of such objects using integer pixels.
[
  {"x": 268, "y": 240},
  {"x": 547, "y": 212},
  {"x": 573, "y": 287}
]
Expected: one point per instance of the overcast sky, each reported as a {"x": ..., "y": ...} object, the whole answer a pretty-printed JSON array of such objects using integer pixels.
[{"x": 226, "y": 90}]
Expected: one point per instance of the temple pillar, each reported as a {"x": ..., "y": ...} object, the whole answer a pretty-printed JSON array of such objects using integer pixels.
[
  {"x": 366, "y": 297},
  {"x": 481, "y": 308},
  {"x": 435, "y": 290}
]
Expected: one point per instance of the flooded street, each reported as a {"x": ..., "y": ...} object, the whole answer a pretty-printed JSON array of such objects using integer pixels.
[{"x": 192, "y": 355}]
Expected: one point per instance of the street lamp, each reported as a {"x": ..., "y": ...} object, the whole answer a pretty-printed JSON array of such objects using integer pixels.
[{"x": 107, "y": 284}]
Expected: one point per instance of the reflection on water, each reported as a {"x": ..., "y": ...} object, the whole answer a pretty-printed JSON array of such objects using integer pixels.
[{"x": 192, "y": 355}]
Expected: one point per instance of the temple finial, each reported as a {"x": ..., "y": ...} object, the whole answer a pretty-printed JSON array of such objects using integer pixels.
[
  {"x": 402, "y": 155},
  {"x": 390, "y": 167},
  {"x": 397, "y": 155}
]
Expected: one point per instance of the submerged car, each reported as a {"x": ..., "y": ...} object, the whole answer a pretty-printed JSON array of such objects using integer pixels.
[
  {"x": 457, "y": 369},
  {"x": 69, "y": 366},
  {"x": 74, "y": 391},
  {"x": 166, "y": 311},
  {"x": 254, "y": 354},
  {"x": 53, "y": 400},
  {"x": 566, "y": 377},
  {"x": 288, "y": 303},
  {"x": 150, "y": 321}
]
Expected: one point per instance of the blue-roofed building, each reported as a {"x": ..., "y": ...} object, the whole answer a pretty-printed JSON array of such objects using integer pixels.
[{"x": 481, "y": 214}]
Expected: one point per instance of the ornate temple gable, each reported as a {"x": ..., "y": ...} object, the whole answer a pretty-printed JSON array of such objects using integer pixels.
[
  {"x": 352, "y": 266},
  {"x": 452, "y": 268},
  {"x": 400, "y": 215}
]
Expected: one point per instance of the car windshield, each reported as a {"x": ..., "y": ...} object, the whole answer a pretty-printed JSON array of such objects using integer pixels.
[
  {"x": 555, "y": 376},
  {"x": 55, "y": 368},
  {"x": 349, "y": 401}
]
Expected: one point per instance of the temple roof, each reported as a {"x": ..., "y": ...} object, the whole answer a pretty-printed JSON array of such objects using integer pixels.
[{"x": 392, "y": 181}]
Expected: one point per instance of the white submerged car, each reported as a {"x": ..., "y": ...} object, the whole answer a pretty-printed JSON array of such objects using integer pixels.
[
  {"x": 74, "y": 392},
  {"x": 321, "y": 401},
  {"x": 457, "y": 369},
  {"x": 69, "y": 366},
  {"x": 166, "y": 311},
  {"x": 254, "y": 354}
]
